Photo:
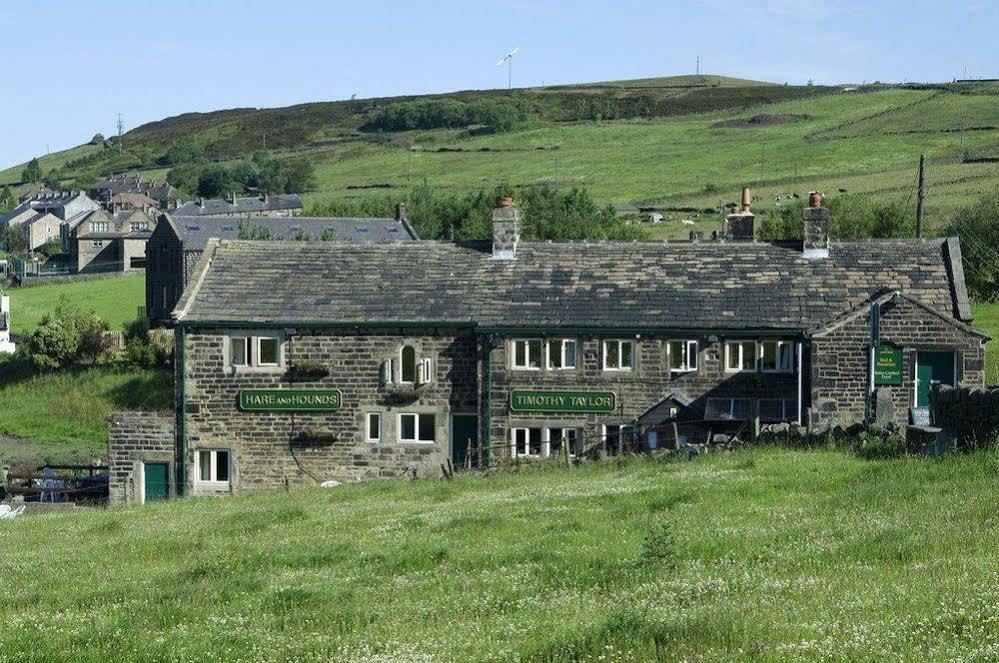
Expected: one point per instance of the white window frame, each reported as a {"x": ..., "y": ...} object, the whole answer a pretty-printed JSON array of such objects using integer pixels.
[
  {"x": 257, "y": 340},
  {"x": 247, "y": 355},
  {"x": 558, "y": 345},
  {"x": 213, "y": 468},
  {"x": 620, "y": 342},
  {"x": 416, "y": 428},
  {"x": 253, "y": 362},
  {"x": 402, "y": 365},
  {"x": 606, "y": 428},
  {"x": 754, "y": 354},
  {"x": 527, "y": 353},
  {"x": 514, "y": 442},
  {"x": 367, "y": 427},
  {"x": 690, "y": 348},
  {"x": 789, "y": 355}
]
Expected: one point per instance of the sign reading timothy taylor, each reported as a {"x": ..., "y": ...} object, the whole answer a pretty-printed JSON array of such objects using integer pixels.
[
  {"x": 887, "y": 365},
  {"x": 562, "y": 401},
  {"x": 289, "y": 399}
]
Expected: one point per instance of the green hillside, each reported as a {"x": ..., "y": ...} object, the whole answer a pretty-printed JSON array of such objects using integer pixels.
[
  {"x": 758, "y": 555},
  {"x": 679, "y": 142}
]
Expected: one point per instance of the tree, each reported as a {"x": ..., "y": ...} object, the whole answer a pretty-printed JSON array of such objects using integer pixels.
[
  {"x": 66, "y": 336},
  {"x": 32, "y": 173},
  {"x": 245, "y": 172},
  {"x": 272, "y": 177},
  {"x": 213, "y": 181},
  {"x": 185, "y": 150},
  {"x": 300, "y": 176},
  {"x": 976, "y": 225},
  {"x": 98, "y": 139},
  {"x": 51, "y": 179},
  {"x": 8, "y": 200},
  {"x": 15, "y": 242},
  {"x": 850, "y": 217},
  {"x": 185, "y": 177}
]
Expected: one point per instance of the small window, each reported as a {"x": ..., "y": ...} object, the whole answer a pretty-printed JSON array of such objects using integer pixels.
[
  {"x": 619, "y": 355},
  {"x": 776, "y": 356},
  {"x": 527, "y": 354},
  {"x": 727, "y": 409},
  {"x": 228, "y": 229},
  {"x": 373, "y": 428},
  {"x": 527, "y": 442},
  {"x": 213, "y": 466},
  {"x": 239, "y": 351},
  {"x": 562, "y": 354},
  {"x": 268, "y": 351},
  {"x": 417, "y": 427},
  {"x": 776, "y": 410},
  {"x": 408, "y": 364},
  {"x": 682, "y": 356},
  {"x": 740, "y": 356}
]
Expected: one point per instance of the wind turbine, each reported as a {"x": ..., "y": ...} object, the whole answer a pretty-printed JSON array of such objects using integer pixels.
[{"x": 508, "y": 59}]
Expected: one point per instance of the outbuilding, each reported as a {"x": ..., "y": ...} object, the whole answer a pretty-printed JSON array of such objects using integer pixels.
[{"x": 300, "y": 363}]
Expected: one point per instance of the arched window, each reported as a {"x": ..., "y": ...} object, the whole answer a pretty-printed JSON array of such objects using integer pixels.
[{"x": 408, "y": 364}]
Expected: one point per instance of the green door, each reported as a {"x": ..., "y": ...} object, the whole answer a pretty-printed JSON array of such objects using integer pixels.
[
  {"x": 464, "y": 434},
  {"x": 155, "y": 475},
  {"x": 932, "y": 368}
]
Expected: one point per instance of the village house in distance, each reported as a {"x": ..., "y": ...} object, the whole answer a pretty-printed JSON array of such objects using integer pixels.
[
  {"x": 178, "y": 242},
  {"x": 304, "y": 362},
  {"x": 264, "y": 205}
]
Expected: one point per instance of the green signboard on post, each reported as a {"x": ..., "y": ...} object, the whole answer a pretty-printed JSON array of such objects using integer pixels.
[
  {"x": 300, "y": 400},
  {"x": 887, "y": 366},
  {"x": 562, "y": 401}
]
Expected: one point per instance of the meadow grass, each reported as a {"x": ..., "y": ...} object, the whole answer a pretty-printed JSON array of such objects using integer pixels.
[
  {"x": 764, "y": 554},
  {"x": 62, "y": 416},
  {"x": 115, "y": 299},
  {"x": 986, "y": 318}
]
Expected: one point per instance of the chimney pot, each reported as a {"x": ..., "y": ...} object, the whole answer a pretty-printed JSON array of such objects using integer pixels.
[
  {"x": 507, "y": 202},
  {"x": 814, "y": 199},
  {"x": 746, "y": 199},
  {"x": 400, "y": 211}
]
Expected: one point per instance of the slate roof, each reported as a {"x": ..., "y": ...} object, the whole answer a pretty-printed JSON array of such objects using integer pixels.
[
  {"x": 699, "y": 286},
  {"x": 221, "y": 207},
  {"x": 195, "y": 232}
]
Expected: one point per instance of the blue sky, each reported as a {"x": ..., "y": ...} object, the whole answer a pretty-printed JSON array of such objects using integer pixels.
[{"x": 71, "y": 66}]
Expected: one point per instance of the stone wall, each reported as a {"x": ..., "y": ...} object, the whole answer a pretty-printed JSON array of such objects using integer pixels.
[
  {"x": 841, "y": 362},
  {"x": 971, "y": 414},
  {"x": 267, "y": 451},
  {"x": 134, "y": 438},
  {"x": 635, "y": 391}
]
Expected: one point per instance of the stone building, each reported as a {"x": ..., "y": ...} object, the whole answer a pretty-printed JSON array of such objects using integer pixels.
[
  {"x": 45, "y": 216},
  {"x": 178, "y": 242},
  {"x": 117, "y": 193},
  {"x": 264, "y": 205},
  {"x": 300, "y": 363},
  {"x": 111, "y": 243}
]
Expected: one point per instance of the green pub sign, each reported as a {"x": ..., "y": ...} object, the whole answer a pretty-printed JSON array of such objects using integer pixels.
[
  {"x": 300, "y": 400},
  {"x": 562, "y": 401},
  {"x": 887, "y": 365}
]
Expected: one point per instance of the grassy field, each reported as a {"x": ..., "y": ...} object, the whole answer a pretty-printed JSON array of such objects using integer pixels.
[
  {"x": 116, "y": 299},
  {"x": 987, "y": 319},
  {"x": 62, "y": 416},
  {"x": 766, "y": 554}
]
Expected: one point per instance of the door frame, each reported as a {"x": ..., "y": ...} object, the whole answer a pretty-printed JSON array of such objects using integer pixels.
[
  {"x": 451, "y": 430},
  {"x": 139, "y": 475},
  {"x": 915, "y": 368}
]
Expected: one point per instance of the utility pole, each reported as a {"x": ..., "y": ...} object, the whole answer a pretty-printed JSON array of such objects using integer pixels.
[
  {"x": 921, "y": 197},
  {"x": 698, "y": 65},
  {"x": 121, "y": 126}
]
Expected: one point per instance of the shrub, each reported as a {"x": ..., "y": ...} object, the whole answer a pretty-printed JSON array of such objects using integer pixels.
[
  {"x": 445, "y": 113},
  {"x": 659, "y": 546},
  {"x": 185, "y": 150},
  {"x": 66, "y": 336},
  {"x": 141, "y": 351}
]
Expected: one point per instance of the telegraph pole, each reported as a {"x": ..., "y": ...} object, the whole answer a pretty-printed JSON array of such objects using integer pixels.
[
  {"x": 121, "y": 125},
  {"x": 920, "y": 198}
]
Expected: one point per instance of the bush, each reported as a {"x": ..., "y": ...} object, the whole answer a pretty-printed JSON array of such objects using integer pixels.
[
  {"x": 975, "y": 225},
  {"x": 659, "y": 546},
  {"x": 849, "y": 217},
  {"x": 65, "y": 337},
  {"x": 140, "y": 349},
  {"x": 444, "y": 114},
  {"x": 185, "y": 150}
]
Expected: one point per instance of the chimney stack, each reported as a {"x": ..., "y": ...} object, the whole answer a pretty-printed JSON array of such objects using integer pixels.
[
  {"x": 815, "y": 237},
  {"x": 506, "y": 230},
  {"x": 740, "y": 222}
]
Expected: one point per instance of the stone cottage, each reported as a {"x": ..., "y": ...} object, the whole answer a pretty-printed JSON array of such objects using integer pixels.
[
  {"x": 178, "y": 242},
  {"x": 263, "y": 205},
  {"x": 300, "y": 363}
]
